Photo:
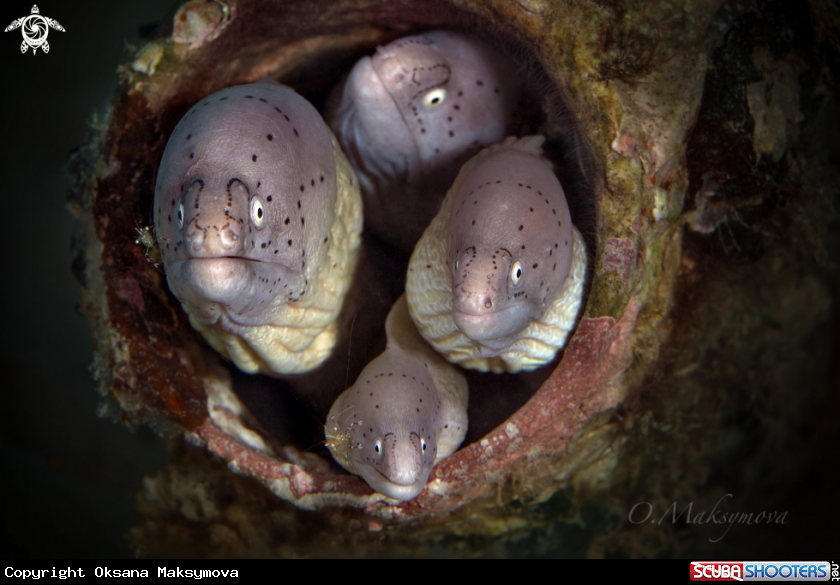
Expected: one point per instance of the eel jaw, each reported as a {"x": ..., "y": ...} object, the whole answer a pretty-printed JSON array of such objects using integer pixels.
[
  {"x": 496, "y": 328},
  {"x": 386, "y": 487},
  {"x": 232, "y": 289}
]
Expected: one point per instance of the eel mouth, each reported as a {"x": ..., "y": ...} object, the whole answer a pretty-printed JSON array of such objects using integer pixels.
[
  {"x": 494, "y": 328},
  {"x": 395, "y": 491},
  {"x": 240, "y": 288}
]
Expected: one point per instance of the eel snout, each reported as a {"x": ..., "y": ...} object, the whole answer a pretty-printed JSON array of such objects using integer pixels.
[
  {"x": 485, "y": 305},
  {"x": 403, "y": 459},
  {"x": 210, "y": 226}
]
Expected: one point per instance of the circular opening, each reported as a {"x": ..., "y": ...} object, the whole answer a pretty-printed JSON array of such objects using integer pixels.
[{"x": 310, "y": 52}]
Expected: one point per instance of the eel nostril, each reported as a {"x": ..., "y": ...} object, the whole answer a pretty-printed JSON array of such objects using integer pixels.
[
  {"x": 228, "y": 237},
  {"x": 194, "y": 237},
  {"x": 488, "y": 303}
]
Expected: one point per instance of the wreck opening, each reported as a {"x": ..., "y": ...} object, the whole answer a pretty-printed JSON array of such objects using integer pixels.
[{"x": 211, "y": 45}]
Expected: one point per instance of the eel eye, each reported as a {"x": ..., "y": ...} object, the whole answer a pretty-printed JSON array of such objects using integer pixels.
[
  {"x": 516, "y": 273},
  {"x": 257, "y": 212},
  {"x": 434, "y": 98},
  {"x": 423, "y": 444},
  {"x": 378, "y": 446},
  {"x": 181, "y": 216}
]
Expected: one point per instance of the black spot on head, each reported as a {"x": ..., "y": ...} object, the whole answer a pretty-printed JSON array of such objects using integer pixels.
[
  {"x": 254, "y": 158},
  {"x": 302, "y": 221},
  {"x": 270, "y": 137},
  {"x": 250, "y": 97},
  {"x": 263, "y": 101},
  {"x": 451, "y": 133},
  {"x": 189, "y": 136},
  {"x": 289, "y": 242},
  {"x": 521, "y": 227},
  {"x": 298, "y": 203},
  {"x": 296, "y": 132},
  {"x": 302, "y": 188},
  {"x": 535, "y": 265},
  {"x": 322, "y": 178},
  {"x": 268, "y": 198},
  {"x": 192, "y": 155},
  {"x": 287, "y": 221}
]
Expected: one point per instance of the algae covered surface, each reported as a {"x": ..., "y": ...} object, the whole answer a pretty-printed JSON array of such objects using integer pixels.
[{"x": 695, "y": 139}]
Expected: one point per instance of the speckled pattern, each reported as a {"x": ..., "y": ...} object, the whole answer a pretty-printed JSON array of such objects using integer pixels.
[
  {"x": 496, "y": 281},
  {"x": 677, "y": 374},
  {"x": 412, "y": 114},
  {"x": 258, "y": 219},
  {"x": 406, "y": 412}
]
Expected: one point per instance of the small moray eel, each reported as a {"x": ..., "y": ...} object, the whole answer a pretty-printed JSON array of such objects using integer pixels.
[
  {"x": 496, "y": 281},
  {"x": 412, "y": 114},
  {"x": 406, "y": 411},
  {"x": 258, "y": 217}
]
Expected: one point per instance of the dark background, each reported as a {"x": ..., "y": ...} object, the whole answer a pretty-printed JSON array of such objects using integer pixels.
[{"x": 68, "y": 477}]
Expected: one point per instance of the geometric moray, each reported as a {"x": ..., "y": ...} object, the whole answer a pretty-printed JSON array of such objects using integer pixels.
[
  {"x": 412, "y": 114},
  {"x": 406, "y": 411},
  {"x": 258, "y": 218},
  {"x": 496, "y": 281}
]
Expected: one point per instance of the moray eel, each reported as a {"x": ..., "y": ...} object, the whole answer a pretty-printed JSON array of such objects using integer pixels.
[
  {"x": 412, "y": 114},
  {"x": 406, "y": 411},
  {"x": 496, "y": 281},
  {"x": 258, "y": 217}
]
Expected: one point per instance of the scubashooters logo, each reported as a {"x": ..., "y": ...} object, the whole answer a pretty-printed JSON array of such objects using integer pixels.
[{"x": 35, "y": 29}]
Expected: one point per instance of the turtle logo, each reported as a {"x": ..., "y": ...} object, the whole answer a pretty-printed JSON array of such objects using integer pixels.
[{"x": 35, "y": 28}]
